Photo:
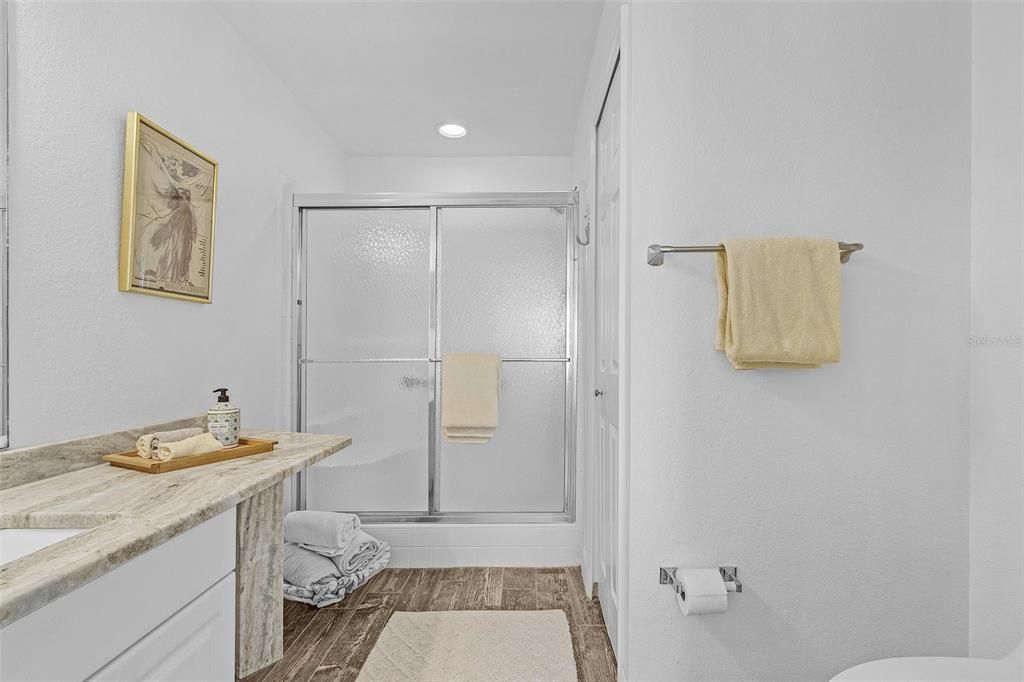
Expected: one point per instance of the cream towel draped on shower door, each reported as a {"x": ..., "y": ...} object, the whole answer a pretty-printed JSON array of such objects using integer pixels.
[
  {"x": 778, "y": 302},
  {"x": 470, "y": 384}
]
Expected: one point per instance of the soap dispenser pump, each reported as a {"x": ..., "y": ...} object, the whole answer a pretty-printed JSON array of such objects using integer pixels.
[{"x": 224, "y": 419}]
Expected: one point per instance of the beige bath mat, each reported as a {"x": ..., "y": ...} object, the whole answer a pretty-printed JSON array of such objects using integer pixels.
[{"x": 450, "y": 646}]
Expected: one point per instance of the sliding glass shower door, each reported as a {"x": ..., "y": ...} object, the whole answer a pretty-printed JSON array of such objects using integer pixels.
[
  {"x": 366, "y": 371},
  {"x": 385, "y": 291}
]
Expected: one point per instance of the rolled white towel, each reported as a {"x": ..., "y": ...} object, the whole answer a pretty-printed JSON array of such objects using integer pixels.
[
  {"x": 148, "y": 443},
  {"x": 361, "y": 552},
  {"x": 190, "y": 447},
  {"x": 326, "y": 533}
]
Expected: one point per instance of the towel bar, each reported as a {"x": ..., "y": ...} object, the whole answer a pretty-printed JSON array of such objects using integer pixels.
[{"x": 656, "y": 252}]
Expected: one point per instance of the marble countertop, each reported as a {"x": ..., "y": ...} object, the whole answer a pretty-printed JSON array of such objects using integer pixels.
[{"x": 129, "y": 512}]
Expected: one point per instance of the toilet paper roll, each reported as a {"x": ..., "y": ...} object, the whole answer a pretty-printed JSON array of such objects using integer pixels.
[{"x": 705, "y": 591}]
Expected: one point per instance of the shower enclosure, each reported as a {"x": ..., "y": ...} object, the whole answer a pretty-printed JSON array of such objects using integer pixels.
[{"x": 386, "y": 284}]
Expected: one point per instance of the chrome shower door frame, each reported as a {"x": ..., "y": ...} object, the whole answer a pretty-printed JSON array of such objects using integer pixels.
[{"x": 435, "y": 202}]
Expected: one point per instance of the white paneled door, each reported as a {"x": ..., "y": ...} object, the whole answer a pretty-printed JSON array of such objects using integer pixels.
[{"x": 606, "y": 509}]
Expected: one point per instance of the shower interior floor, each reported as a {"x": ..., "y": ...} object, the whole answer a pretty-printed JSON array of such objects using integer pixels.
[{"x": 333, "y": 643}]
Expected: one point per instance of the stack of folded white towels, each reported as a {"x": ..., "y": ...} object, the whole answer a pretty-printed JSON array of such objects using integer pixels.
[{"x": 327, "y": 556}]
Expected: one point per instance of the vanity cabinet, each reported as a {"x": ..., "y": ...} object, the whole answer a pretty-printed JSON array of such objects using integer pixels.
[
  {"x": 167, "y": 614},
  {"x": 189, "y": 646}
]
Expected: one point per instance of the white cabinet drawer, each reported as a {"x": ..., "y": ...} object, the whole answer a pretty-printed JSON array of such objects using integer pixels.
[
  {"x": 196, "y": 643},
  {"x": 77, "y": 634}
]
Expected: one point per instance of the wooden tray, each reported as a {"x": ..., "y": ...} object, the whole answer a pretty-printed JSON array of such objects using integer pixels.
[{"x": 245, "y": 447}]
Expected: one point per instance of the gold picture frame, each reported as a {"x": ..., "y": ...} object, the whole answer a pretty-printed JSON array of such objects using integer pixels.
[{"x": 168, "y": 215}]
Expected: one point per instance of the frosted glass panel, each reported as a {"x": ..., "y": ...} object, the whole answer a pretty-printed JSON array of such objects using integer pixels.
[
  {"x": 501, "y": 281},
  {"x": 523, "y": 467},
  {"x": 368, "y": 283},
  {"x": 383, "y": 406}
]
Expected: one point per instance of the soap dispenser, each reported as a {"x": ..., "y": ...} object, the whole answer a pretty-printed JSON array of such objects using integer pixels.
[{"x": 223, "y": 420}]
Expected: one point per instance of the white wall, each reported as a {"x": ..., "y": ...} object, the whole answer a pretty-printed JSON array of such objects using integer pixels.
[
  {"x": 86, "y": 358},
  {"x": 839, "y": 492},
  {"x": 3, "y": 193},
  {"x": 996, "y": 362},
  {"x": 458, "y": 174}
]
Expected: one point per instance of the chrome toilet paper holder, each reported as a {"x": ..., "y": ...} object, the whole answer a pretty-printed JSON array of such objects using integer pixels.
[{"x": 667, "y": 576}]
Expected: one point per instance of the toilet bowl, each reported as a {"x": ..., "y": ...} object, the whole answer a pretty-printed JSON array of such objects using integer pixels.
[{"x": 939, "y": 668}]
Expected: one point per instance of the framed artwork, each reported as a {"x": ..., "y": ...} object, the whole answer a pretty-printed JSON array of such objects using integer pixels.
[{"x": 168, "y": 212}]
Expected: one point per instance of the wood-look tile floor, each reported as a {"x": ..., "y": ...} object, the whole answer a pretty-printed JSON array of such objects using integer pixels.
[{"x": 332, "y": 643}]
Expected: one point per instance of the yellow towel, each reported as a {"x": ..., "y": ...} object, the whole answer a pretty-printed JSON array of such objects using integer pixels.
[
  {"x": 470, "y": 383},
  {"x": 778, "y": 302}
]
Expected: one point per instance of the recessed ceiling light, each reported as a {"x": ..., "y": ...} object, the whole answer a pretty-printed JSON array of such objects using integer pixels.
[{"x": 452, "y": 130}]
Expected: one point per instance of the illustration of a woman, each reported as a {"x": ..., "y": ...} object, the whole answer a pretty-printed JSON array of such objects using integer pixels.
[
  {"x": 170, "y": 218},
  {"x": 172, "y": 242}
]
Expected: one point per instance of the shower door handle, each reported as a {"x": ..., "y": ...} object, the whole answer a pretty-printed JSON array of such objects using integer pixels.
[{"x": 598, "y": 393}]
